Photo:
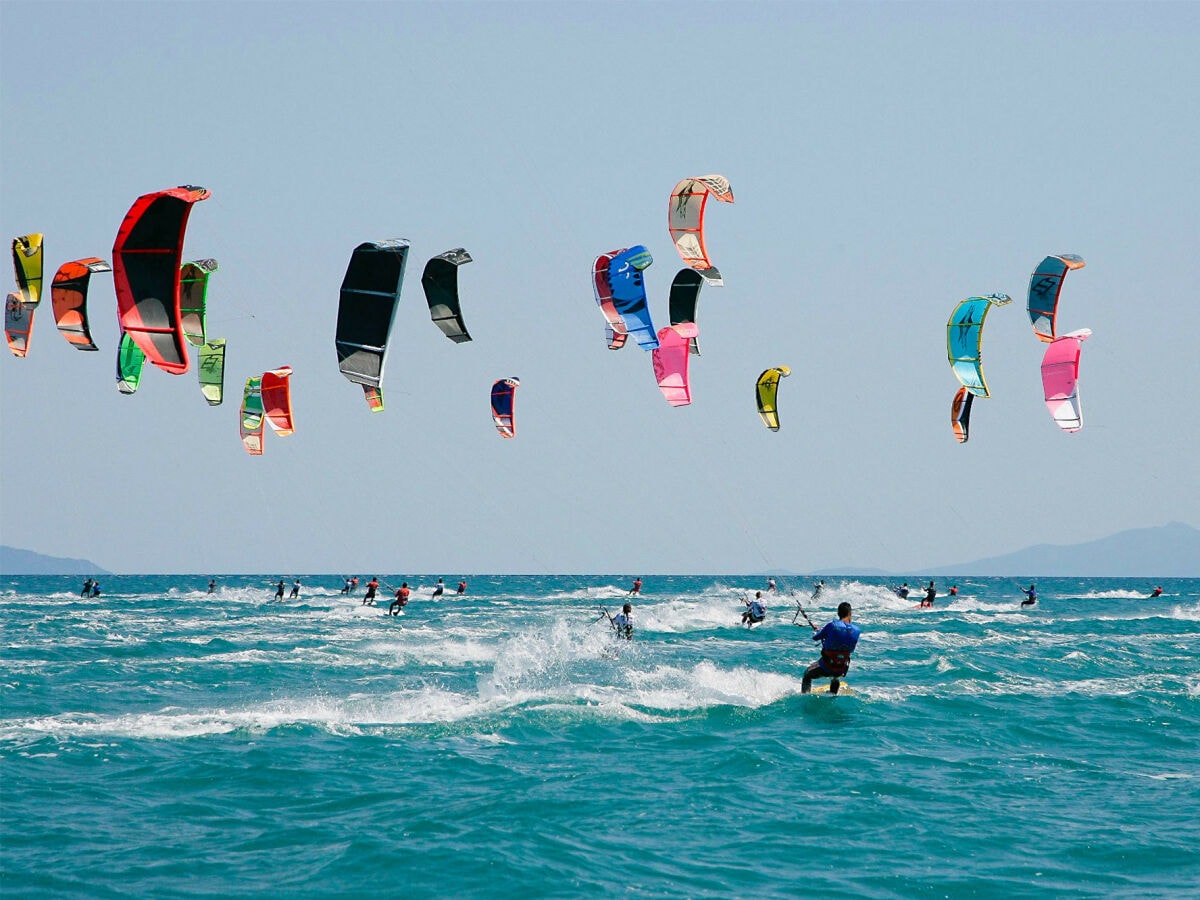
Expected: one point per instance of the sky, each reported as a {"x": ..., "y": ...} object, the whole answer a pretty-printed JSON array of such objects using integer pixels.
[{"x": 887, "y": 160}]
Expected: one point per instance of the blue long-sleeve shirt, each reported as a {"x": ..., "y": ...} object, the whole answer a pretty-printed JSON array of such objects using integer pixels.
[{"x": 839, "y": 636}]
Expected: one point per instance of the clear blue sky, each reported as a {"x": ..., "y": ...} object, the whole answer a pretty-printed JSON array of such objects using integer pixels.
[{"x": 887, "y": 159}]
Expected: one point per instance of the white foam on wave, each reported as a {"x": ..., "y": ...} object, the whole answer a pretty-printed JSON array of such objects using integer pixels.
[
  {"x": 706, "y": 684},
  {"x": 1186, "y": 613}
]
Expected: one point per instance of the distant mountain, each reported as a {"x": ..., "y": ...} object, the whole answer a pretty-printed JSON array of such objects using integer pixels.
[
  {"x": 1167, "y": 551},
  {"x": 14, "y": 561}
]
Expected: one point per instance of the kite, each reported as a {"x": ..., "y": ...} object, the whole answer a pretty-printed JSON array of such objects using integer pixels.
[
  {"x": 1060, "y": 379},
  {"x": 766, "y": 391},
  {"x": 503, "y": 392},
  {"x": 685, "y": 291},
  {"x": 614, "y": 331},
  {"x": 964, "y": 337},
  {"x": 145, "y": 266},
  {"x": 960, "y": 414},
  {"x": 250, "y": 422},
  {"x": 68, "y": 295},
  {"x": 370, "y": 293},
  {"x": 670, "y": 360},
  {"x": 193, "y": 293},
  {"x": 276, "y": 389},
  {"x": 629, "y": 294},
  {"x": 212, "y": 371},
  {"x": 130, "y": 360},
  {"x": 440, "y": 281},
  {"x": 1045, "y": 284},
  {"x": 685, "y": 219}
]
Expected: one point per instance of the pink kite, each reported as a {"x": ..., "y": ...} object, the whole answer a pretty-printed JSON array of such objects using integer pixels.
[
  {"x": 671, "y": 362},
  {"x": 1060, "y": 379}
]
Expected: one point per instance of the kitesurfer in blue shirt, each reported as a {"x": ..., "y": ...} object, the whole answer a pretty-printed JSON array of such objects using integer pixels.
[
  {"x": 839, "y": 638},
  {"x": 756, "y": 610},
  {"x": 279, "y": 590},
  {"x": 1030, "y": 596},
  {"x": 95, "y": 589}
]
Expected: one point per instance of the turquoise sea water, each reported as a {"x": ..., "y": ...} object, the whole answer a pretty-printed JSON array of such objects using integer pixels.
[{"x": 162, "y": 742}]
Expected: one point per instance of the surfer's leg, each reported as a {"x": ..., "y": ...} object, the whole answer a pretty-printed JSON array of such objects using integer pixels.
[
  {"x": 834, "y": 685},
  {"x": 813, "y": 671}
]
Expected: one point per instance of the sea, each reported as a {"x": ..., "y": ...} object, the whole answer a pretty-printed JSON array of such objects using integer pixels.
[{"x": 161, "y": 741}]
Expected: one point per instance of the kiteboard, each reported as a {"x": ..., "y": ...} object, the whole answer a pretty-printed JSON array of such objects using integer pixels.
[{"x": 842, "y": 691}]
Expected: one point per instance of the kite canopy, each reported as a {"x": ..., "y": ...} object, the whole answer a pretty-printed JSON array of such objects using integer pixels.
[
  {"x": 68, "y": 295},
  {"x": 193, "y": 294},
  {"x": 503, "y": 394},
  {"x": 18, "y": 324},
  {"x": 250, "y": 421},
  {"x": 370, "y": 292},
  {"x": 27, "y": 263},
  {"x": 960, "y": 414},
  {"x": 20, "y": 304},
  {"x": 670, "y": 360},
  {"x": 964, "y": 337},
  {"x": 130, "y": 360},
  {"x": 685, "y": 291},
  {"x": 1060, "y": 379},
  {"x": 276, "y": 389},
  {"x": 614, "y": 331},
  {"x": 1044, "y": 287},
  {"x": 629, "y": 294},
  {"x": 685, "y": 219},
  {"x": 212, "y": 371},
  {"x": 146, "y": 260},
  {"x": 440, "y": 281},
  {"x": 766, "y": 391}
]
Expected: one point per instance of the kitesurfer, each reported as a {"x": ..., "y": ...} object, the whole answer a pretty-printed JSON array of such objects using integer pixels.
[
  {"x": 902, "y": 591},
  {"x": 346, "y": 587},
  {"x": 954, "y": 590},
  {"x": 771, "y": 586},
  {"x": 1157, "y": 592},
  {"x": 462, "y": 588},
  {"x": 372, "y": 587},
  {"x": 636, "y": 589},
  {"x": 353, "y": 584},
  {"x": 1030, "y": 596},
  {"x": 756, "y": 610},
  {"x": 930, "y": 596},
  {"x": 95, "y": 589},
  {"x": 839, "y": 637},
  {"x": 212, "y": 585},
  {"x": 818, "y": 588},
  {"x": 401, "y": 600},
  {"x": 622, "y": 622},
  {"x": 438, "y": 589},
  {"x": 279, "y": 590},
  {"x": 87, "y": 588},
  {"x": 295, "y": 590}
]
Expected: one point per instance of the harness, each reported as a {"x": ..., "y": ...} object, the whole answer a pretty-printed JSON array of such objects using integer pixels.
[{"x": 835, "y": 662}]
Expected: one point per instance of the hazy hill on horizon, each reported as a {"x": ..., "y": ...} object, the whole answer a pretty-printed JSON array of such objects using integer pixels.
[
  {"x": 1164, "y": 551},
  {"x": 15, "y": 561}
]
